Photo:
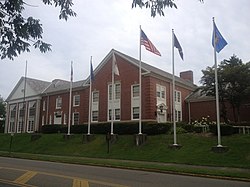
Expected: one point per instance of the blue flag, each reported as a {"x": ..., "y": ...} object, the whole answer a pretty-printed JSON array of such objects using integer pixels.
[
  {"x": 91, "y": 72},
  {"x": 220, "y": 42},
  {"x": 178, "y": 46}
]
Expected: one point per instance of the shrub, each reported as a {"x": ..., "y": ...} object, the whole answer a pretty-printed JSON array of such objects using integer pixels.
[
  {"x": 48, "y": 129},
  {"x": 225, "y": 130},
  {"x": 150, "y": 128}
]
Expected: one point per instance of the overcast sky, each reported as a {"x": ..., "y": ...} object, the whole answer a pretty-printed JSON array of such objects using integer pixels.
[{"x": 102, "y": 25}]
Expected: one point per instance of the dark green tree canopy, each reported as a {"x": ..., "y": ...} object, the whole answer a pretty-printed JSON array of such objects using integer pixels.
[
  {"x": 18, "y": 33},
  {"x": 2, "y": 108},
  {"x": 233, "y": 82}
]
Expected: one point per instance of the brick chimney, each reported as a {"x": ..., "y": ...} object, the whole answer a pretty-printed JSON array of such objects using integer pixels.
[{"x": 187, "y": 75}]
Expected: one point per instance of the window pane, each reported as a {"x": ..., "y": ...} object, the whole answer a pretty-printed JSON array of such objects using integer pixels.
[
  {"x": 135, "y": 112},
  {"x": 158, "y": 94},
  {"x": 58, "y": 102},
  {"x": 117, "y": 114},
  {"x": 76, "y": 118},
  {"x": 76, "y": 100},
  {"x": 94, "y": 115},
  {"x": 163, "y": 94},
  {"x": 110, "y": 92},
  {"x": 95, "y": 96},
  {"x": 117, "y": 91},
  {"x": 135, "y": 90}
]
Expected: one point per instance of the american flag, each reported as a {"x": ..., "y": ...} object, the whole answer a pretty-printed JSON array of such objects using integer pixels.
[{"x": 148, "y": 44}]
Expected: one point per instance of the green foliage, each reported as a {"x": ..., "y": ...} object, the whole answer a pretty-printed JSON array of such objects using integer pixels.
[
  {"x": 18, "y": 33},
  {"x": 225, "y": 130},
  {"x": 156, "y": 6},
  {"x": 2, "y": 114},
  {"x": 121, "y": 128},
  {"x": 233, "y": 84}
]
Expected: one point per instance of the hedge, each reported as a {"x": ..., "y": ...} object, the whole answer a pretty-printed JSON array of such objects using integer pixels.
[
  {"x": 150, "y": 128},
  {"x": 225, "y": 130}
]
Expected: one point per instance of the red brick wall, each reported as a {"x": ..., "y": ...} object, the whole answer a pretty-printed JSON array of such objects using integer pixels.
[
  {"x": 129, "y": 75},
  {"x": 208, "y": 108}
]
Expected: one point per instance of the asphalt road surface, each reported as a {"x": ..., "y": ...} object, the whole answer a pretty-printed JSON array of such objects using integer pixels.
[{"x": 29, "y": 173}]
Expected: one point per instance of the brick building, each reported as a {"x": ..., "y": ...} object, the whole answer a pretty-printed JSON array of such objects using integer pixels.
[{"x": 156, "y": 99}]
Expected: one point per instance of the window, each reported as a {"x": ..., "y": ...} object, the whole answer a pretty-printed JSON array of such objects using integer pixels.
[
  {"x": 177, "y": 96},
  {"x": 117, "y": 94},
  {"x": 76, "y": 116},
  {"x": 43, "y": 120},
  {"x": 163, "y": 94},
  {"x": 76, "y": 100},
  {"x": 65, "y": 119},
  {"x": 160, "y": 91},
  {"x": 136, "y": 113},
  {"x": 135, "y": 90},
  {"x": 12, "y": 118},
  {"x": 178, "y": 116},
  {"x": 32, "y": 108},
  {"x": 94, "y": 115},
  {"x": 117, "y": 114},
  {"x": 44, "y": 105},
  {"x": 95, "y": 96},
  {"x": 158, "y": 94},
  {"x": 58, "y": 103},
  {"x": 32, "y": 116},
  {"x": 21, "y": 117},
  {"x": 117, "y": 91},
  {"x": 31, "y": 124}
]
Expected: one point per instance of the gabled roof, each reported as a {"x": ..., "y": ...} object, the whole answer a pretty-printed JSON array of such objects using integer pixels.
[
  {"x": 198, "y": 96},
  {"x": 59, "y": 85},
  {"x": 36, "y": 85},
  {"x": 145, "y": 68}
]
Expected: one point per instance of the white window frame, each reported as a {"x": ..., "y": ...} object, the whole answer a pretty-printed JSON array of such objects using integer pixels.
[
  {"x": 95, "y": 96},
  {"x": 21, "y": 119},
  {"x": 58, "y": 103},
  {"x": 44, "y": 105},
  {"x": 135, "y": 92},
  {"x": 137, "y": 113},
  {"x": 117, "y": 114},
  {"x": 76, "y": 100},
  {"x": 95, "y": 115},
  {"x": 76, "y": 122},
  {"x": 117, "y": 94}
]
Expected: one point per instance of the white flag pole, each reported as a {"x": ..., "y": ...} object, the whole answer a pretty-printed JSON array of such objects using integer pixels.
[
  {"x": 140, "y": 95},
  {"x": 113, "y": 92},
  {"x": 90, "y": 96},
  {"x": 173, "y": 91},
  {"x": 216, "y": 89},
  {"x": 70, "y": 97}
]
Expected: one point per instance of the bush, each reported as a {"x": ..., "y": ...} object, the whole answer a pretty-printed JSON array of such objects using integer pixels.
[
  {"x": 122, "y": 128},
  {"x": 225, "y": 130},
  {"x": 48, "y": 129}
]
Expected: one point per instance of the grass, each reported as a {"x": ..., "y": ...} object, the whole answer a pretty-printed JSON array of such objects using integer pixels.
[{"x": 196, "y": 150}]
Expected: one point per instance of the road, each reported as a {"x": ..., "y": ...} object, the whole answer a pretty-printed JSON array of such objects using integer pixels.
[{"x": 30, "y": 173}]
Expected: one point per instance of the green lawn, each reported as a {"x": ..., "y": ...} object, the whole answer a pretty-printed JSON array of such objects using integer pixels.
[{"x": 196, "y": 148}]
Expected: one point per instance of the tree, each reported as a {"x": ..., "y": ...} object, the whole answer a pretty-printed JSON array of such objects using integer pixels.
[
  {"x": 237, "y": 76},
  {"x": 233, "y": 84},
  {"x": 156, "y": 6},
  {"x": 208, "y": 88},
  {"x": 18, "y": 33},
  {"x": 2, "y": 113}
]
